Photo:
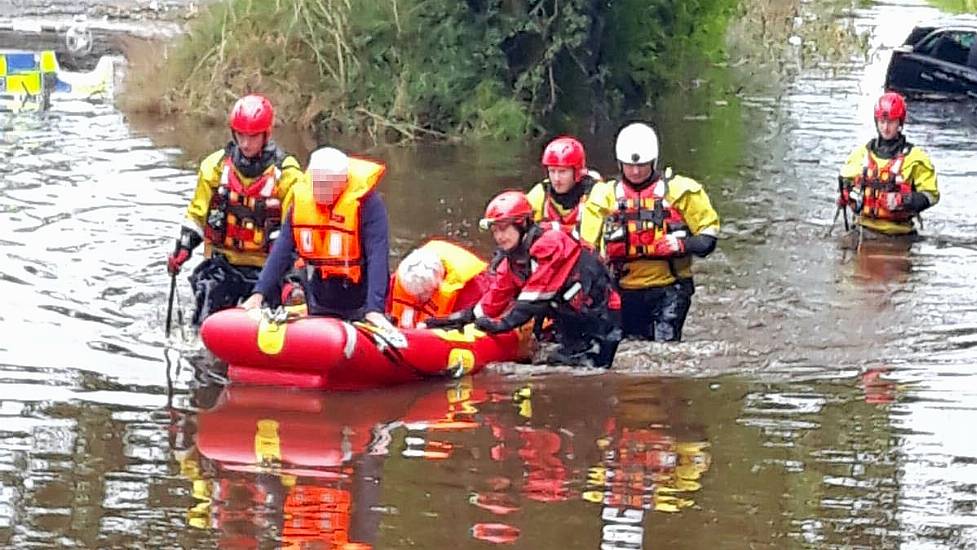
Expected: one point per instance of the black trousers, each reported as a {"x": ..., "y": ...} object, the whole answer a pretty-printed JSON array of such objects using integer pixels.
[
  {"x": 587, "y": 339},
  {"x": 219, "y": 285},
  {"x": 657, "y": 313}
]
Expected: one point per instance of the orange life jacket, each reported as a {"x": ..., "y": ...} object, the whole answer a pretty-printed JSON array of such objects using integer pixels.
[
  {"x": 244, "y": 219},
  {"x": 328, "y": 238},
  {"x": 460, "y": 267},
  {"x": 408, "y": 313},
  {"x": 642, "y": 218},
  {"x": 875, "y": 182},
  {"x": 317, "y": 514}
]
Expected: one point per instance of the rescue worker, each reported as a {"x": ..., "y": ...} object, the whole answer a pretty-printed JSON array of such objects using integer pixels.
[
  {"x": 647, "y": 225},
  {"x": 558, "y": 198},
  {"x": 338, "y": 227},
  {"x": 545, "y": 273},
  {"x": 435, "y": 280},
  {"x": 236, "y": 209},
  {"x": 888, "y": 181}
]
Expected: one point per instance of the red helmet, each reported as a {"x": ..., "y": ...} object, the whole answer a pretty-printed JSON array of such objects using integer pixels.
[
  {"x": 891, "y": 106},
  {"x": 507, "y": 207},
  {"x": 252, "y": 114},
  {"x": 566, "y": 152}
]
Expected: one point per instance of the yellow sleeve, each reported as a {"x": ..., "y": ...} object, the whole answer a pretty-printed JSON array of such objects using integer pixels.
[
  {"x": 291, "y": 174},
  {"x": 922, "y": 174},
  {"x": 693, "y": 202},
  {"x": 207, "y": 180},
  {"x": 537, "y": 196},
  {"x": 599, "y": 204},
  {"x": 853, "y": 166}
]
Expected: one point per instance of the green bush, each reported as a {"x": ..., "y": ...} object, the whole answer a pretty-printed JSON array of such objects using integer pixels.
[{"x": 401, "y": 69}]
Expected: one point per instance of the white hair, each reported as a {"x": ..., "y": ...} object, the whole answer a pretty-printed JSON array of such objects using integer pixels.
[{"x": 420, "y": 273}]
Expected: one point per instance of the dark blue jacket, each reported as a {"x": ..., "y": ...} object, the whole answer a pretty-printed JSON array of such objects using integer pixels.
[{"x": 338, "y": 297}]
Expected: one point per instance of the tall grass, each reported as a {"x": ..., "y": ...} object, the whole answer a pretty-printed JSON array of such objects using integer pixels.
[{"x": 403, "y": 69}]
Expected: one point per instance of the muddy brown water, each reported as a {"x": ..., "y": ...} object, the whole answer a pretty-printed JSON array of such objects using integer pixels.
[{"x": 823, "y": 398}]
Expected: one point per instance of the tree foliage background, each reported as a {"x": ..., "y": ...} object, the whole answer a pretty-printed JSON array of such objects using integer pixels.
[{"x": 403, "y": 69}]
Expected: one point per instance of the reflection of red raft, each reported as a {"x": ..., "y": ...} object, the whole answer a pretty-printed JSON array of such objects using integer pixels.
[
  {"x": 321, "y": 352},
  {"x": 251, "y": 426}
]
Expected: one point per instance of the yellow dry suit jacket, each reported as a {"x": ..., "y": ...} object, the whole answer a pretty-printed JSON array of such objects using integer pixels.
[
  {"x": 209, "y": 179},
  {"x": 685, "y": 195}
]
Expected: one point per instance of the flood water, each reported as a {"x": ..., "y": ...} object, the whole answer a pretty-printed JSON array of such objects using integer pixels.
[{"x": 823, "y": 397}]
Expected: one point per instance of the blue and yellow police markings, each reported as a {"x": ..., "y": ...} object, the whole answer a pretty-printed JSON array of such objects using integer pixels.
[
  {"x": 27, "y": 79},
  {"x": 23, "y": 73}
]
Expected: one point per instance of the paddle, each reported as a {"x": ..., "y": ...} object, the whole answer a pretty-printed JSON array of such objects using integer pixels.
[{"x": 169, "y": 306}]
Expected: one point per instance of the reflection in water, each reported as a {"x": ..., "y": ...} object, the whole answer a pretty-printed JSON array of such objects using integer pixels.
[
  {"x": 335, "y": 469},
  {"x": 646, "y": 464},
  {"x": 883, "y": 260}
]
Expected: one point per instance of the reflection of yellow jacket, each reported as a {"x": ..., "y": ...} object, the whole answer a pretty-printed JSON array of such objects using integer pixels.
[
  {"x": 685, "y": 195},
  {"x": 917, "y": 169},
  {"x": 208, "y": 181}
]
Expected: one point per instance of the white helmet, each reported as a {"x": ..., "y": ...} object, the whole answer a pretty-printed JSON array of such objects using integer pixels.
[
  {"x": 420, "y": 273},
  {"x": 329, "y": 161},
  {"x": 637, "y": 144}
]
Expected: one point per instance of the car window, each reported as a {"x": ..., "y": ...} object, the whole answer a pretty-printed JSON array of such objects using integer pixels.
[
  {"x": 949, "y": 46},
  {"x": 966, "y": 39},
  {"x": 925, "y": 46}
]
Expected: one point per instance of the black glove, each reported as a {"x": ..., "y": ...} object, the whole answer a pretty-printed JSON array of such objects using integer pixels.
[
  {"x": 490, "y": 325},
  {"x": 917, "y": 202},
  {"x": 456, "y": 319},
  {"x": 520, "y": 313}
]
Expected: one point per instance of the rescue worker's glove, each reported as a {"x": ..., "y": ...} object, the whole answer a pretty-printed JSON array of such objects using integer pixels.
[
  {"x": 176, "y": 260},
  {"x": 490, "y": 325},
  {"x": 844, "y": 188},
  {"x": 843, "y": 198},
  {"x": 671, "y": 245},
  {"x": 520, "y": 313},
  {"x": 455, "y": 320},
  {"x": 188, "y": 240}
]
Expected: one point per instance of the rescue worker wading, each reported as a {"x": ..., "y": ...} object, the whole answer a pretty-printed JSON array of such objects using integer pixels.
[
  {"x": 338, "y": 227},
  {"x": 558, "y": 199},
  {"x": 647, "y": 225},
  {"x": 888, "y": 181},
  {"x": 435, "y": 280},
  {"x": 236, "y": 209},
  {"x": 545, "y": 273}
]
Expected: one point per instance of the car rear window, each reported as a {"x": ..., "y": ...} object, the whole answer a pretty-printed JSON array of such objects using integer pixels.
[{"x": 949, "y": 46}]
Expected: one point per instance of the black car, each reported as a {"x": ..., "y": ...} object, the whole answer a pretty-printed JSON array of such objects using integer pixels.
[{"x": 938, "y": 59}]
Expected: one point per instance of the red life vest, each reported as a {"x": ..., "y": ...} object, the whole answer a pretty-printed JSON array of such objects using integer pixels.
[
  {"x": 245, "y": 219},
  {"x": 642, "y": 218},
  {"x": 568, "y": 221},
  {"x": 876, "y": 182}
]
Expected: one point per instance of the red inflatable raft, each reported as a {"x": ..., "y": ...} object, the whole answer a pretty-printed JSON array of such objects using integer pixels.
[{"x": 322, "y": 352}]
